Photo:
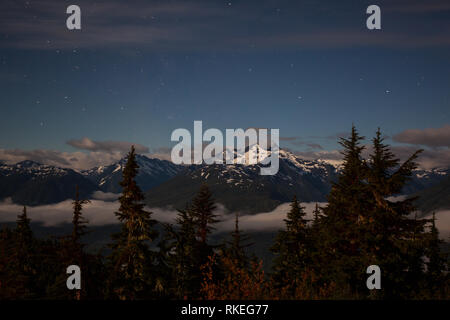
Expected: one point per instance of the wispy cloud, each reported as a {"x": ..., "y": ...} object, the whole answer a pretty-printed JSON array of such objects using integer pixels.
[
  {"x": 100, "y": 212},
  {"x": 300, "y": 142},
  {"x": 431, "y": 137},
  {"x": 423, "y": 7},
  {"x": 197, "y": 25},
  {"x": 76, "y": 160},
  {"x": 106, "y": 146},
  {"x": 93, "y": 154}
]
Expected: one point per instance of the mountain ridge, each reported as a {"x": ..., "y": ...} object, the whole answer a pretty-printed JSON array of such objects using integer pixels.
[{"x": 237, "y": 186}]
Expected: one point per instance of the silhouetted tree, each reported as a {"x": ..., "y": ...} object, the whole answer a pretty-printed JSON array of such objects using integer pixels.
[
  {"x": 291, "y": 249},
  {"x": 202, "y": 209},
  {"x": 182, "y": 253},
  {"x": 436, "y": 266},
  {"x": 131, "y": 259}
]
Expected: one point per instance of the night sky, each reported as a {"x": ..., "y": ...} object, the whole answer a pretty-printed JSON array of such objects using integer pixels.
[{"x": 140, "y": 69}]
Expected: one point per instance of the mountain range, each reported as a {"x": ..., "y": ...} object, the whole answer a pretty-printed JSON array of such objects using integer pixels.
[
  {"x": 31, "y": 183},
  {"x": 152, "y": 172},
  {"x": 236, "y": 186},
  {"x": 434, "y": 198}
]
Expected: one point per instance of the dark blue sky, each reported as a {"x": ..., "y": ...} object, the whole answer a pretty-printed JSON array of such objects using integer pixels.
[{"x": 139, "y": 69}]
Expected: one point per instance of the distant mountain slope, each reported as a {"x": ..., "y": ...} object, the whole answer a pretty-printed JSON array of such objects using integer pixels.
[
  {"x": 434, "y": 198},
  {"x": 242, "y": 188},
  {"x": 31, "y": 183},
  {"x": 152, "y": 172},
  {"x": 423, "y": 179},
  {"x": 238, "y": 187}
]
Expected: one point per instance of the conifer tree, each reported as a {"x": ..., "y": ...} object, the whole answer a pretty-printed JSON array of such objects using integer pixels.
[
  {"x": 316, "y": 216},
  {"x": 23, "y": 231},
  {"x": 23, "y": 262},
  {"x": 74, "y": 247},
  {"x": 291, "y": 248},
  {"x": 8, "y": 288},
  {"x": 315, "y": 240},
  {"x": 235, "y": 249},
  {"x": 390, "y": 238},
  {"x": 202, "y": 210},
  {"x": 186, "y": 248},
  {"x": 341, "y": 235},
  {"x": 436, "y": 265},
  {"x": 182, "y": 253},
  {"x": 131, "y": 257},
  {"x": 79, "y": 222}
]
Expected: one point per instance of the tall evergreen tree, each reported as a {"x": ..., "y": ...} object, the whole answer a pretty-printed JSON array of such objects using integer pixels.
[
  {"x": 316, "y": 216},
  {"x": 79, "y": 222},
  {"x": 202, "y": 208},
  {"x": 235, "y": 249},
  {"x": 342, "y": 216},
  {"x": 8, "y": 288},
  {"x": 23, "y": 231},
  {"x": 23, "y": 269},
  {"x": 186, "y": 247},
  {"x": 131, "y": 257},
  {"x": 181, "y": 255},
  {"x": 291, "y": 248},
  {"x": 315, "y": 239},
  {"x": 74, "y": 247},
  {"x": 436, "y": 266},
  {"x": 390, "y": 238}
]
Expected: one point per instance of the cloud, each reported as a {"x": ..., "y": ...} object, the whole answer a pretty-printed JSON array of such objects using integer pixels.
[
  {"x": 338, "y": 135},
  {"x": 74, "y": 160},
  {"x": 196, "y": 25},
  {"x": 442, "y": 223},
  {"x": 104, "y": 23},
  {"x": 314, "y": 146},
  {"x": 97, "y": 212},
  {"x": 105, "y": 196},
  {"x": 323, "y": 155},
  {"x": 101, "y": 154},
  {"x": 428, "y": 159},
  {"x": 106, "y": 146},
  {"x": 431, "y": 137},
  {"x": 288, "y": 138},
  {"x": 264, "y": 221},
  {"x": 162, "y": 153},
  {"x": 408, "y": 6},
  {"x": 300, "y": 142},
  {"x": 100, "y": 212}
]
